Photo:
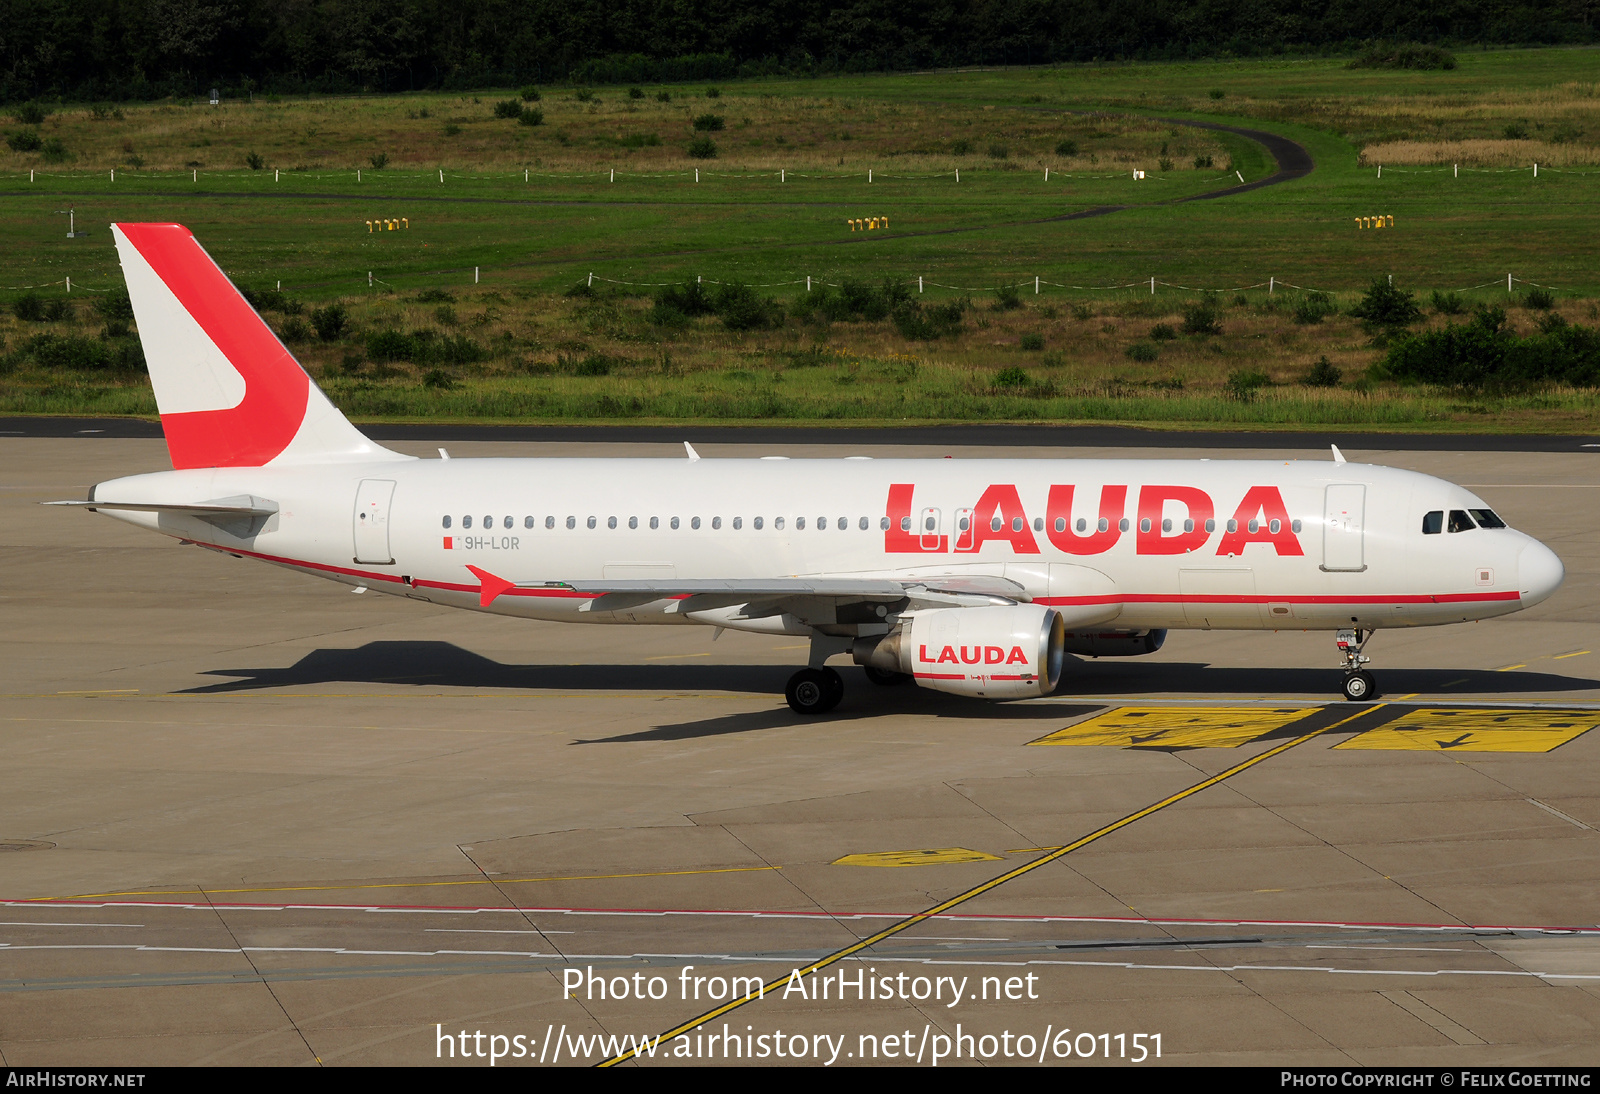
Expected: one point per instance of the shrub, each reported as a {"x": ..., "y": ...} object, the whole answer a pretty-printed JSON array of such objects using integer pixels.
[
  {"x": 1516, "y": 131},
  {"x": 254, "y": 162},
  {"x": 1550, "y": 322},
  {"x": 436, "y": 296},
  {"x": 712, "y": 93},
  {"x": 1034, "y": 342},
  {"x": 925, "y": 324},
  {"x": 641, "y": 140},
  {"x": 115, "y": 307},
  {"x": 390, "y": 345},
  {"x": 1067, "y": 148},
  {"x": 451, "y": 129},
  {"x": 1163, "y": 164},
  {"x": 1201, "y": 318},
  {"x": 1410, "y": 55},
  {"x": 1143, "y": 351},
  {"x": 1216, "y": 93},
  {"x": 530, "y": 94},
  {"x": 329, "y": 322},
  {"x": 689, "y": 299},
  {"x": 115, "y": 328},
  {"x": 531, "y": 115},
  {"x": 438, "y": 379},
  {"x": 584, "y": 95},
  {"x": 1012, "y": 376},
  {"x": 663, "y": 96},
  {"x": 53, "y": 351},
  {"x": 56, "y": 310},
  {"x": 1447, "y": 303},
  {"x": 295, "y": 330},
  {"x": 53, "y": 151},
  {"x": 1322, "y": 374},
  {"x": 508, "y": 108},
  {"x": 1007, "y": 298},
  {"x": 1162, "y": 332},
  {"x": 265, "y": 299},
  {"x": 1539, "y": 299},
  {"x": 1243, "y": 384},
  {"x": 665, "y": 315},
  {"x": 703, "y": 148},
  {"x": 635, "y": 92},
  {"x": 379, "y": 161},
  {"x": 998, "y": 151},
  {"x": 30, "y": 114},
  {"x": 961, "y": 147},
  {"x": 1202, "y": 162},
  {"x": 1313, "y": 307},
  {"x": 1386, "y": 306},
  {"x": 1482, "y": 353},
  {"x": 708, "y": 123},
  {"x": 742, "y": 308},
  {"x": 26, "y": 140},
  {"x": 29, "y": 308}
]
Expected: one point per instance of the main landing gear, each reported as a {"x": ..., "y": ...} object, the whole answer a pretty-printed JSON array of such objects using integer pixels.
[
  {"x": 1359, "y": 686},
  {"x": 814, "y": 691}
]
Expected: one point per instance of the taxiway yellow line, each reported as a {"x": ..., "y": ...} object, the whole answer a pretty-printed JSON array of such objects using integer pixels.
[
  {"x": 405, "y": 884},
  {"x": 994, "y": 883}
]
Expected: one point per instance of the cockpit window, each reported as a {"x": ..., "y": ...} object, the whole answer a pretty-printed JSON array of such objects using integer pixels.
[
  {"x": 1486, "y": 518},
  {"x": 1460, "y": 522},
  {"x": 1433, "y": 523}
]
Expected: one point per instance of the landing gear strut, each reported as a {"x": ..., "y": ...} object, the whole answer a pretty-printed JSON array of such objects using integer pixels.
[
  {"x": 1359, "y": 686},
  {"x": 814, "y": 691}
]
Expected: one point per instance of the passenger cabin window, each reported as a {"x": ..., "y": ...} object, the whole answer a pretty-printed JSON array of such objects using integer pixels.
[
  {"x": 527, "y": 522},
  {"x": 549, "y": 522},
  {"x": 777, "y": 522},
  {"x": 1486, "y": 518},
  {"x": 509, "y": 523},
  {"x": 1460, "y": 522},
  {"x": 905, "y": 524},
  {"x": 466, "y": 522},
  {"x": 447, "y": 521},
  {"x": 883, "y": 524}
]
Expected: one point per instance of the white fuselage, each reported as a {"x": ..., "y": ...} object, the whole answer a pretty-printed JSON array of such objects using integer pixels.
[{"x": 1314, "y": 545}]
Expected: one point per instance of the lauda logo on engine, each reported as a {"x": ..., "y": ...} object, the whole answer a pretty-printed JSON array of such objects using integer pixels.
[
  {"x": 973, "y": 655},
  {"x": 1261, "y": 517}
]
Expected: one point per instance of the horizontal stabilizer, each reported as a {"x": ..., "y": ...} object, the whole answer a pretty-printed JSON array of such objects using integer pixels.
[{"x": 244, "y": 506}]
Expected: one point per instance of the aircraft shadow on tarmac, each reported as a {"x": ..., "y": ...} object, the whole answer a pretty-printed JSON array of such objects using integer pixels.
[{"x": 442, "y": 664}]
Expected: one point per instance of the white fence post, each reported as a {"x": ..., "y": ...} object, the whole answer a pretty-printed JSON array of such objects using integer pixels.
[
  {"x": 958, "y": 174},
  {"x": 1272, "y": 285},
  {"x": 69, "y": 286},
  {"x": 369, "y": 279},
  {"x": 1508, "y": 282},
  {"x": 1036, "y": 286},
  {"x": 808, "y": 282},
  {"x": 919, "y": 282},
  {"x": 869, "y": 174},
  {"x": 441, "y": 176},
  {"x": 475, "y": 276},
  {"x": 1152, "y": 286}
]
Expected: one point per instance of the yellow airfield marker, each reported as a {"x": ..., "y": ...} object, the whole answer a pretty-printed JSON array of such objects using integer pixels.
[
  {"x": 929, "y": 857},
  {"x": 1177, "y": 727},
  {"x": 1479, "y": 730}
]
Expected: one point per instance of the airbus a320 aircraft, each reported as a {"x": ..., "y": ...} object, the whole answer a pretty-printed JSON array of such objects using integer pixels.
[{"x": 971, "y": 577}]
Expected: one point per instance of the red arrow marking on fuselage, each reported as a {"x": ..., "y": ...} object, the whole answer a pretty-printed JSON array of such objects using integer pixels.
[{"x": 490, "y": 586}]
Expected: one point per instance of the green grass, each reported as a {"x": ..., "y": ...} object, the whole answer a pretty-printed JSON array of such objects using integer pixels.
[{"x": 532, "y": 240}]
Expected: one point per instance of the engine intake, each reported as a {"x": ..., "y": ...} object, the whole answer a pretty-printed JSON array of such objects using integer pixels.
[{"x": 1002, "y": 652}]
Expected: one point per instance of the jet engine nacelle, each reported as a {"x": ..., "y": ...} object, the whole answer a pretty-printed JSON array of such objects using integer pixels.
[
  {"x": 1114, "y": 643},
  {"x": 1001, "y": 652}
]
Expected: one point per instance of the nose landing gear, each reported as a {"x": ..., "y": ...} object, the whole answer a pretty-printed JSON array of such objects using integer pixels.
[{"x": 1359, "y": 686}]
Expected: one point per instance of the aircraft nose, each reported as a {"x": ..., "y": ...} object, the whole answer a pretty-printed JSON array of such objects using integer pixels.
[{"x": 1539, "y": 573}]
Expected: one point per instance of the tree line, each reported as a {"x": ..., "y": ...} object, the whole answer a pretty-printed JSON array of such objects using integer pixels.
[{"x": 133, "y": 49}]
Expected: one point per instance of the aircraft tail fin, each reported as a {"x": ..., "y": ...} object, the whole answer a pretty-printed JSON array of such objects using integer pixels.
[{"x": 230, "y": 394}]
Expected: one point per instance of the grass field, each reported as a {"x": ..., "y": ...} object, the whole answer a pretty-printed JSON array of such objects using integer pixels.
[{"x": 535, "y": 211}]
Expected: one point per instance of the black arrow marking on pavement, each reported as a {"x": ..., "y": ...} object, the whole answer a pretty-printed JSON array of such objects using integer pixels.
[{"x": 1454, "y": 743}]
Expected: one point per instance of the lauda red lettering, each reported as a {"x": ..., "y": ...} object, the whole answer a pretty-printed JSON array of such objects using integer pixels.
[
  {"x": 897, "y": 540},
  {"x": 1153, "y": 539},
  {"x": 1113, "y": 503},
  {"x": 1000, "y": 501},
  {"x": 973, "y": 655},
  {"x": 1254, "y": 521}
]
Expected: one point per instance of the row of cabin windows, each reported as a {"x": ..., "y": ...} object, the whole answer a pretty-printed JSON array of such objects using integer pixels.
[
  {"x": 841, "y": 523},
  {"x": 996, "y": 524},
  {"x": 1461, "y": 520}
]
